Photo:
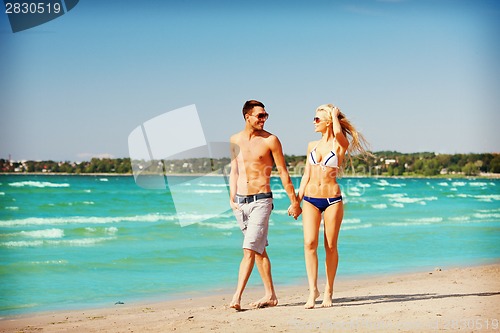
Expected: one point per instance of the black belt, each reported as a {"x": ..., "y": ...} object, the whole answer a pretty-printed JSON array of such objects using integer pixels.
[{"x": 251, "y": 198}]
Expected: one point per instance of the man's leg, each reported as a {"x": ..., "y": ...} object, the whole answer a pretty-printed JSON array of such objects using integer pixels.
[
  {"x": 246, "y": 267},
  {"x": 264, "y": 267}
]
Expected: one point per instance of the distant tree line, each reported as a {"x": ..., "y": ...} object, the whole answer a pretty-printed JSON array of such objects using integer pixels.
[
  {"x": 95, "y": 165},
  {"x": 384, "y": 163}
]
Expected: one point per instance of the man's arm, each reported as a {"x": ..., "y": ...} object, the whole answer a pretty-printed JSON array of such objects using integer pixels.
[{"x": 279, "y": 160}]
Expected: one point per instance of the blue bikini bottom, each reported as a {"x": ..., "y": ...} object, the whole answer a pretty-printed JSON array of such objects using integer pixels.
[{"x": 323, "y": 203}]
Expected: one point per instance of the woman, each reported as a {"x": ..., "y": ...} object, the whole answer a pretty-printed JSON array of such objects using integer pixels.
[{"x": 326, "y": 159}]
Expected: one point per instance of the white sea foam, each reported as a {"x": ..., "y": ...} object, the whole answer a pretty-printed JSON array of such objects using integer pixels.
[
  {"x": 108, "y": 231},
  {"x": 72, "y": 242},
  {"x": 379, "y": 206},
  {"x": 46, "y": 233},
  {"x": 111, "y": 230},
  {"x": 478, "y": 184},
  {"x": 488, "y": 210},
  {"x": 354, "y": 199},
  {"x": 486, "y": 215},
  {"x": 405, "y": 224},
  {"x": 222, "y": 226},
  {"x": 443, "y": 184},
  {"x": 12, "y": 208},
  {"x": 50, "y": 262},
  {"x": 394, "y": 195},
  {"x": 398, "y": 205},
  {"x": 197, "y": 218},
  {"x": 148, "y": 218},
  {"x": 405, "y": 199},
  {"x": 2, "y": 193},
  {"x": 279, "y": 195},
  {"x": 487, "y": 197},
  {"x": 293, "y": 222},
  {"x": 354, "y": 227},
  {"x": 30, "y": 183},
  {"x": 426, "y": 220},
  {"x": 382, "y": 182},
  {"x": 460, "y": 218},
  {"x": 22, "y": 243},
  {"x": 79, "y": 242},
  {"x": 351, "y": 221},
  {"x": 363, "y": 185},
  {"x": 456, "y": 184},
  {"x": 103, "y": 179}
]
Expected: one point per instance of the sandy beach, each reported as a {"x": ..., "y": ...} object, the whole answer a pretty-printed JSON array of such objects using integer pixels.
[{"x": 466, "y": 299}]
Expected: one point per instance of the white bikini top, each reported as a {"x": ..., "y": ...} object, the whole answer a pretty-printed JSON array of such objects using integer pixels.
[{"x": 330, "y": 160}]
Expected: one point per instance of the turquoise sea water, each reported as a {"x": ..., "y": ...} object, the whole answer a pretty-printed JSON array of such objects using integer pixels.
[{"x": 78, "y": 241}]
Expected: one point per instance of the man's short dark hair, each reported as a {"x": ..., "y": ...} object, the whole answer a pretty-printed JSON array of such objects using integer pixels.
[{"x": 249, "y": 105}]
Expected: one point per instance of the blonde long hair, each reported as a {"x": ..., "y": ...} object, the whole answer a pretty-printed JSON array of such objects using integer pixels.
[{"x": 358, "y": 145}]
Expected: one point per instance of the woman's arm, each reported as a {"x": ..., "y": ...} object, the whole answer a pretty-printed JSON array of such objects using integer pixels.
[
  {"x": 306, "y": 175},
  {"x": 337, "y": 129}
]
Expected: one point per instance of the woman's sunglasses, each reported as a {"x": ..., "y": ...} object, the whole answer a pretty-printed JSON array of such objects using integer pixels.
[{"x": 317, "y": 120}]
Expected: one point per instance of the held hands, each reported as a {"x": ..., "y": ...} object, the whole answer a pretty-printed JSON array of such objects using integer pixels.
[{"x": 294, "y": 210}]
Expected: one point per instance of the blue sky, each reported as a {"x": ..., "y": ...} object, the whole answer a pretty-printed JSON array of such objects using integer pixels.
[{"x": 411, "y": 75}]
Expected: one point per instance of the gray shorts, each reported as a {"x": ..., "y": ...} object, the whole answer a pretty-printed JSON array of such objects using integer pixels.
[{"x": 253, "y": 219}]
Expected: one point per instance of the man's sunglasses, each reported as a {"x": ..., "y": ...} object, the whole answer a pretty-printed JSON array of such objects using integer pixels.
[{"x": 262, "y": 116}]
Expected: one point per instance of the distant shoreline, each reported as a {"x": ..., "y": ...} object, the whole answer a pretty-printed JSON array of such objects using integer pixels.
[{"x": 446, "y": 176}]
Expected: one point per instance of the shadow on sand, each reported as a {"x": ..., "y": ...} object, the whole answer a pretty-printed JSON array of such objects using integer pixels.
[{"x": 375, "y": 299}]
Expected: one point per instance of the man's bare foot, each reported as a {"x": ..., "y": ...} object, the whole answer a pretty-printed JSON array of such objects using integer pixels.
[
  {"x": 265, "y": 302},
  {"x": 235, "y": 303},
  {"x": 327, "y": 299},
  {"x": 311, "y": 302}
]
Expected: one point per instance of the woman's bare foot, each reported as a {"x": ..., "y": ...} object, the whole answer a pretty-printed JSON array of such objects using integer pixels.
[
  {"x": 327, "y": 299},
  {"x": 311, "y": 302},
  {"x": 266, "y": 301},
  {"x": 235, "y": 303}
]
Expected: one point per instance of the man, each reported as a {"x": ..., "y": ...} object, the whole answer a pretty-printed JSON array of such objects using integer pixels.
[{"x": 254, "y": 151}]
